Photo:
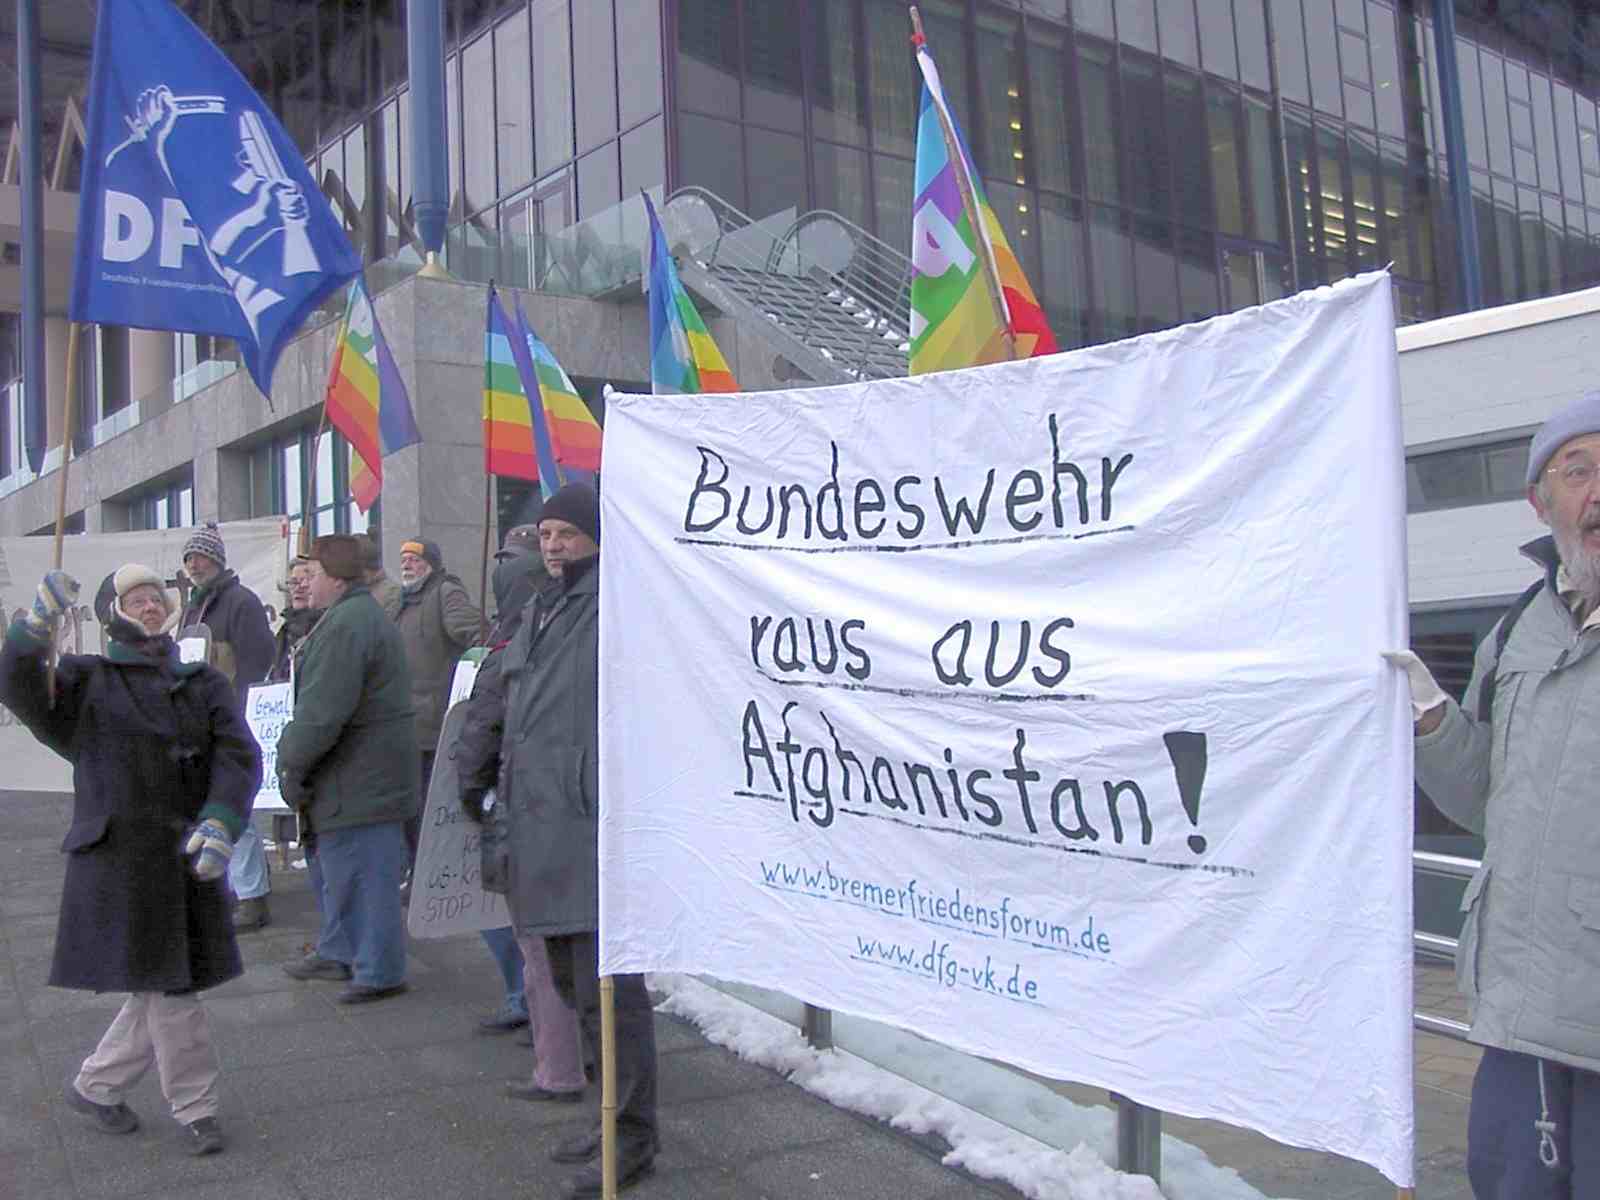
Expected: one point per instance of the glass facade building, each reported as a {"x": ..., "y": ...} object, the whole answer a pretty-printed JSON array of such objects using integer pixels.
[{"x": 1155, "y": 161}]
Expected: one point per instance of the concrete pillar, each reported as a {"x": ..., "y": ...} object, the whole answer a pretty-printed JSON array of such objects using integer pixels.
[{"x": 150, "y": 364}]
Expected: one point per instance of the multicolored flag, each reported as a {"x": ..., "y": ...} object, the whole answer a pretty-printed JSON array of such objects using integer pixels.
[
  {"x": 955, "y": 321},
  {"x": 366, "y": 398},
  {"x": 551, "y": 476},
  {"x": 683, "y": 358},
  {"x": 508, "y": 442},
  {"x": 573, "y": 431}
]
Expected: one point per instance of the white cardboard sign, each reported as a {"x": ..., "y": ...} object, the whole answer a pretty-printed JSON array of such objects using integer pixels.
[
  {"x": 267, "y": 710},
  {"x": 1038, "y": 708}
]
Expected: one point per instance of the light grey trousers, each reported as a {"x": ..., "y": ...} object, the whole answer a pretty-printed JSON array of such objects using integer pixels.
[{"x": 174, "y": 1033}]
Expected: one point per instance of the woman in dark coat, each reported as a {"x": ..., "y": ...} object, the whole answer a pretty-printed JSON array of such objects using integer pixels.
[{"x": 164, "y": 774}]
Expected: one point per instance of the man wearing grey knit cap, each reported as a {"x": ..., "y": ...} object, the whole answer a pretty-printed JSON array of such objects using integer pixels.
[{"x": 1518, "y": 761}]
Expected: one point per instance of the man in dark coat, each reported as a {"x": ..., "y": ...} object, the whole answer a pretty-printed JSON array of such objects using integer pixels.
[
  {"x": 347, "y": 763},
  {"x": 548, "y": 773},
  {"x": 164, "y": 768},
  {"x": 298, "y": 619},
  {"x": 242, "y": 649},
  {"x": 438, "y": 621}
]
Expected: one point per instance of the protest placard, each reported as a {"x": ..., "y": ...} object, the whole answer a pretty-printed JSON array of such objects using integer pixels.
[
  {"x": 267, "y": 710},
  {"x": 1039, "y": 709},
  {"x": 447, "y": 895}
]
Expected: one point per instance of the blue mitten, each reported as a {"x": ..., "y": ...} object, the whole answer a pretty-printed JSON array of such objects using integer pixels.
[
  {"x": 211, "y": 847},
  {"x": 55, "y": 596}
]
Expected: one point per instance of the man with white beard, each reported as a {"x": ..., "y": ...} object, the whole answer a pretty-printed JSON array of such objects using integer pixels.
[{"x": 1519, "y": 762}]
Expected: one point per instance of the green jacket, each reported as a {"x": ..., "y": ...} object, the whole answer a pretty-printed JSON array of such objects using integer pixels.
[{"x": 348, "y": 756}]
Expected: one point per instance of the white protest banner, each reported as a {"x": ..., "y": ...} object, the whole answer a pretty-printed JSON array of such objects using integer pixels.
[
  {"x": 257, "y": 552},
  {"x": 447, "y": 895},
  {"x": 1039, "y": 709},
  {"x": 267, "y": 710}
]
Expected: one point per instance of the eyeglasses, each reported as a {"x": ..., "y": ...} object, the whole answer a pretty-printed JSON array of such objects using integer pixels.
[{"x": 1575, "y": 475}]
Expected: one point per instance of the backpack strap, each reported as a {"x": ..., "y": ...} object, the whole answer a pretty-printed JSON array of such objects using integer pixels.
[{"x": 1501, "y": 637}]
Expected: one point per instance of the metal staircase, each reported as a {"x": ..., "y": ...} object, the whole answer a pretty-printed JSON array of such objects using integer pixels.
[{"x": 822, "y": 292}]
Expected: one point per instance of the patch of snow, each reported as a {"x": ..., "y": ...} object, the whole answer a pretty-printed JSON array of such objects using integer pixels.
[{"x": 978, "y": 1143}]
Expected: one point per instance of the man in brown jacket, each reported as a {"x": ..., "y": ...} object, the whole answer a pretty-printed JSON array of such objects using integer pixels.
[{"x": 438, "y": 621}]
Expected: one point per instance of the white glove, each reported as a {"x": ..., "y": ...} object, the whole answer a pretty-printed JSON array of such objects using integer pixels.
[{"x": 1426, "y": 694}]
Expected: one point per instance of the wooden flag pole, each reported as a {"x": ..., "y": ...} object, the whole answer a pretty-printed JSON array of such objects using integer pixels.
[
  {"x": 68, "y": 423},
  {"x": 608, "y": 1088},
  {"x": 488, "y": 524},
  {"x": 969, "y": 205},
  {"x": 307, "y": 517}
]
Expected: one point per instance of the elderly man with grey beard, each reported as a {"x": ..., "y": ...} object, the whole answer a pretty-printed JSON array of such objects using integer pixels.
[{"x": 1518, "y": 760}]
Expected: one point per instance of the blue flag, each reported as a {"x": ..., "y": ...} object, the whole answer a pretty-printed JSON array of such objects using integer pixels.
[{"x": 197, "y": 213}]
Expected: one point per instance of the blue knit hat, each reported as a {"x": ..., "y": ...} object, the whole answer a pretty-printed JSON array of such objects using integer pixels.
[{"x": 1576, "y": 419}]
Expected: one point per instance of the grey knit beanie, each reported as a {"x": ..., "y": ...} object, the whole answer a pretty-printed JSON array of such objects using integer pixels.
[
  {"x": 1576, "y": 419},
  {"x": 207, "y": 541}
]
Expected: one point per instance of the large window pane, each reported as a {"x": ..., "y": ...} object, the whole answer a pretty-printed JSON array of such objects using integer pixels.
[
  {"x": 945, "y": 24},
  {"x": 513, "y": 105},
  {"x": 777, "y": 172},
  {"x": 1266, "y": 203},
  {"x": 452, "y": 130},
  {"x": 1113, "y": 314},
  {"x": 599, "y": 184},
  {"x": 552, "y": 84},
  {"x": 1136, "y": 24},
  {"x": 1000, "y": 136},
  {"x": 708, "y": 56},
  {"x": 893, "y": 78},
  {"x": 842, "y": 183},
  {"x": 1099, "y": 122},
  {"x": 1179, "y": 41},
  {"x": 1143, "y": 136},
  {"x": 1289, "y": 41},
  {"x": 1197, "y": 275},
  {"x": 391, "y": 170},
  {"x": 638, "y": 59},
  {"x": 1326, "y": 91},
  {"x": 893, "y": 180},
  {"x": 1364, "y": 195},
  {"x": 1381, "y": 35},
  {"x": 1155, "y": 274},
  {"x": 644, "y": 158},
  {"x": 1250, "y": 29},
  {"x": 355, "y": 182},
  {"x": 478, "y": 133},
  {"x": 1093, "y": 16},
  {"x": 1497, "y": 121},
  {"x": 1334, "y": 202},
  {"x": 1060, "y": 281},
  {"x": 1047, "y": 109},
  {"x": 773, "y": 35},
  {"x": 1216, "y": 40},
  {"x": 594, "y": 46},
  {"x": 837, "y": 109},
  {"x": 1186, "y": 122},
  {"x": 1472, "y": 103},
  {"x": 1227, "y": 160},
  {"x": 711, "y": 155}
]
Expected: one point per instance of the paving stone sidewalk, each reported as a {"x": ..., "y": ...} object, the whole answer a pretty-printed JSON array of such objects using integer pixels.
[{"x": 404, "y": 1098}]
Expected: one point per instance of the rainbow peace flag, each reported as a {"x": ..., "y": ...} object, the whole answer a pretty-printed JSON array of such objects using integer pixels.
[
  {"x": 366, "y": 398},
  {"x": 953, "y": 318},
  {"x": 683, "y": 358},
  {"x": 573, "y": 432},
  {"x": 508, "y": 441}
]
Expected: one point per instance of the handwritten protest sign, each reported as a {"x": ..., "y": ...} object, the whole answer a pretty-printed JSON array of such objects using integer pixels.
[
  {"x": 1037, "y": 708},
  {"x": 447, "y": 895},
  {"x": 268, "y": 708}
]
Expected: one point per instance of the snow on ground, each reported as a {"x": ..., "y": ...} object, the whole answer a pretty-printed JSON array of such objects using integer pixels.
[{"x": 978, "y": 1144}]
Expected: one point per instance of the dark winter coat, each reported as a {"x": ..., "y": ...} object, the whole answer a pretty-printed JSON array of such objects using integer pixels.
[
  {"x": 437, "y": 622},
  {"x": 297, "y": 623},
  {"x": 348, "y": 756},
  {"x": 242, "y": 646},
  {"x": 155, "y": 746},
  {"x": 548, "y": 777}
]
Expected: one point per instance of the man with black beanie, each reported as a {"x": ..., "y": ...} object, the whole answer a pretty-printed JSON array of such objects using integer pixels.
[{"x": 550, "y": 736}]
